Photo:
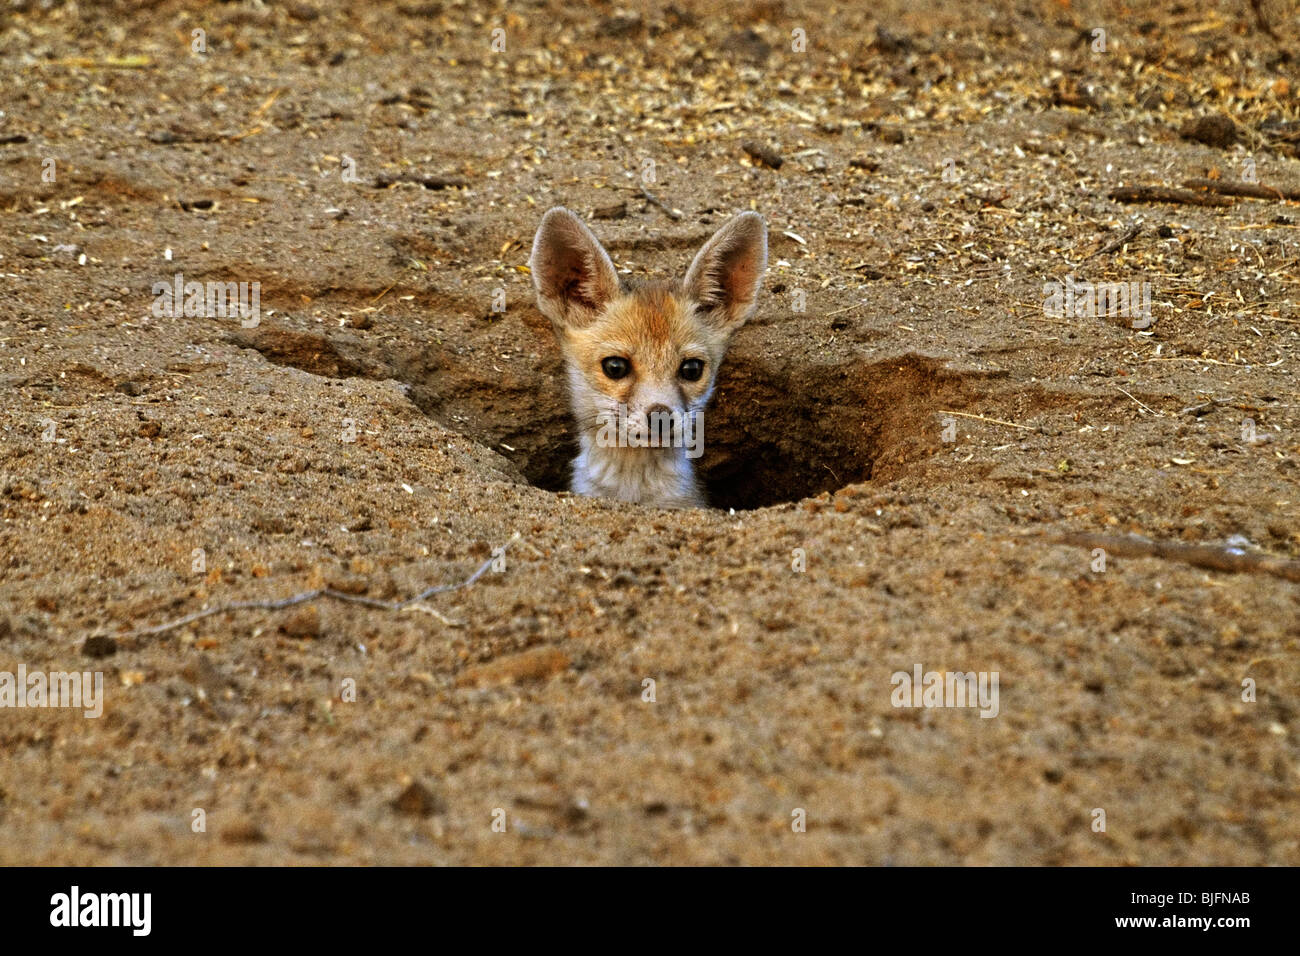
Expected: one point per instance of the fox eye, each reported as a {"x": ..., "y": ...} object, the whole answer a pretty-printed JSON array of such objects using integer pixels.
[
  {"x": 691, "y": 370},
  {"x": 615, "y": 366}
]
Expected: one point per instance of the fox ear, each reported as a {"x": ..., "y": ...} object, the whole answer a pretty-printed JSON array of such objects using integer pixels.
[
  {"x": 572, "y": 273},
  {"x": 727, "y": 272}
]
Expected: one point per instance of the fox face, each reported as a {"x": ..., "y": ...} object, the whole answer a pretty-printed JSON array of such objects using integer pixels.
[{"x": 642, "y": 358}]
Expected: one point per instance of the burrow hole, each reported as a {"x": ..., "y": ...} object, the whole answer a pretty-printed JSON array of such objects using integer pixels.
[{"x": 775, "y": 431}]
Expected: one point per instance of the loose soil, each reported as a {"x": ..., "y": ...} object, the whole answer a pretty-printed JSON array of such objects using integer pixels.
[{"x": 902, "y": 420}]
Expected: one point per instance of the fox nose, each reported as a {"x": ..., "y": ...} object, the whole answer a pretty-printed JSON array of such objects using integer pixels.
[
  {"x": 663, "y": 412},
  {"x": 663, "y": 425}
]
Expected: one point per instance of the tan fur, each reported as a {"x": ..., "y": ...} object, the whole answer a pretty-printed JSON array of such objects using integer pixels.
[{"x": 654, "y": 326}]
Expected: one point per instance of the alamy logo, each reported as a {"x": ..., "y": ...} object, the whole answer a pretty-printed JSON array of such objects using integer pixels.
[
  {"x": 134, "y": 910},
  {"x": 209, "y": 300},
  {"x": 666, "y": 429},
  {"x": 56, "y": 689},
  {"x": 946, "y": 689},
  {"x": 1091, "y": 300}
]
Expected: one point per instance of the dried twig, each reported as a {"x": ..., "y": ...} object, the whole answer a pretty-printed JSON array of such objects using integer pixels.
[
  {"x": 991, "y": 421},
  {"x": 1117, "y": 243},
  {"x": 847, "y": 308},
  {"x": 1212, "y": 403},
  {"x": 1186, "y": 197},
  {"x": 1213, "y": 557},
  {"x": 134, "y": 62},
  {"x": 660, "y": 204},
  {"x": 1228, "y": 187},
  {"x": 1147, "y": 407},
  {"x": 278, "y": 604}
]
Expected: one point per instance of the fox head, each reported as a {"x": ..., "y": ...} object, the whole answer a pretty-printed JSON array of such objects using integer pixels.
[{"x": 647, "y": 348}]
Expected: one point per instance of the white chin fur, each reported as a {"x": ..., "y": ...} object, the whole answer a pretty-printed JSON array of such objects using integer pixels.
[{"x": 659, "y": 477}]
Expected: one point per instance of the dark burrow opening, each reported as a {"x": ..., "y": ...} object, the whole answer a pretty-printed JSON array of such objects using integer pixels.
[
  {"x": 776, "y": 430},
  {"x": 773, "y": 433}
]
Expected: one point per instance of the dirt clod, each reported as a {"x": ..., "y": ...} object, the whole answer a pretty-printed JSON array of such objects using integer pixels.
[
  {"x": 1214, "y": 129},
  {"x": 303, "y": 622},
  {"x": 537, "y": 664},
  {"x": 99, "y": 646},
  {"x": 417, "y": 800}
]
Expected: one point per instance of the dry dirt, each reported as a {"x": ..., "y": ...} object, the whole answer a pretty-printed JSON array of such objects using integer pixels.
[{"x": 938, "y": 163}]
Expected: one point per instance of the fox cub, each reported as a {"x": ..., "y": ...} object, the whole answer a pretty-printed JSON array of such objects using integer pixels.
[{"x": 642, "y": 357}]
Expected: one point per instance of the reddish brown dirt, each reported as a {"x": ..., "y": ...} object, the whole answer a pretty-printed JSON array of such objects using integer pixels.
[{"x": 521, "y": 698}]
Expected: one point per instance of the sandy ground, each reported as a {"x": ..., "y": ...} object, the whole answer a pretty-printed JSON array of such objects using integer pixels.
[{"x": 902, "y": 415}]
